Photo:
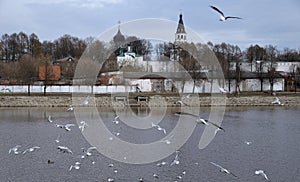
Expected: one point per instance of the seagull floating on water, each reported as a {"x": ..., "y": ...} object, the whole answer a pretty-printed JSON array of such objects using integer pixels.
[
  {"x": 222, "y": 16},
  {"x": 160, "y": 164},
  {"x": 110, "y": 179},
  {"x": 76, "y": 166},
  {"x": 31, "y": 149},
  {"x": 247, "y": 142},
  {"x": 261, "y": 172},
  {"x": 158, "y": 128},
  {"x": 64, "y": 149},
  {"x": 155, "y": 176},
  {"x": 201, "y": 120},
  {"x": 222, "y": 169},
  {"x": 15, "y": 149}
]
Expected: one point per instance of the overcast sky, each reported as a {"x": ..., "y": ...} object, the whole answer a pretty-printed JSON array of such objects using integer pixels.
[{"x": 264, "y": 21}]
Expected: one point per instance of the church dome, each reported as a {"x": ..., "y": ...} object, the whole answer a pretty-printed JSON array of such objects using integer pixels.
[{"x": 119, "y": 37}]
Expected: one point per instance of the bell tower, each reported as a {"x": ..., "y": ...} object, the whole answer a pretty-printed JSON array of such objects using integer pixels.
[{"x": 180, "y": 35}]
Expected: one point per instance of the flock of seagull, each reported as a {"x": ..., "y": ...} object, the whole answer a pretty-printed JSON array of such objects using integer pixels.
[{"x": 88, "y": 152}]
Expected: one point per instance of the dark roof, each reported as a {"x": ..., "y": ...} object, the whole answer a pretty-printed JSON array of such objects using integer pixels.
[
  {"x": 180, "y": 27},
  {"x": 119, "y": 37}
]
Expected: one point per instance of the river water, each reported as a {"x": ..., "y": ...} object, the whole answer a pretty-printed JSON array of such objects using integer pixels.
[{"x": 274, "y": 133}]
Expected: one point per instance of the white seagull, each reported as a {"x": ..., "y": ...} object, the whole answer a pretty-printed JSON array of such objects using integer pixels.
[
  {"x": 222, "y": 16},
  {"x": 66, "y": 127},
  {"x": 223, "y": 90},
  {"x": 158, "y": 128},
  {"x": 70, "y": 108},
  {"x": 76, "y": 166},
  {"x": 57, "y": 139},
  {"x": 64, "y": 149},
  {"x": 116, "y": 119},
  {"x": 277, "y": 101},
  {"x": 182, "y": 103},
  {"x": 161, "y": 164},
  {"x": 222, "y": 169},
  {"x": 175, "y": 161},
  {"x": 247, "y": 142},
  {"x": 261, "y": 172},
  {"x": 31, "y": 149},
  {"x": 83, "y": 125},
  {"x": 14, "y": 149},
  {"x": 86, "y": 101},
  {"x": 88, "y": 152},
  {"x": 49, "y": 119},
  {"x": 201, "y": 120}
]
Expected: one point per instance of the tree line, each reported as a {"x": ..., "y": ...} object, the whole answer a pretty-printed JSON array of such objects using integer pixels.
[{"x": 20, "y": 54}]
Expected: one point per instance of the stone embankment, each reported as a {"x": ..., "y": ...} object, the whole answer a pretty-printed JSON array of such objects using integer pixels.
[{"x": 153, "y": 101}]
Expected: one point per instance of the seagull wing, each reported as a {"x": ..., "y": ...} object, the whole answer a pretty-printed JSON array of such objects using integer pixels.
[
  {"x": 188, "y": 114},
  {"x": 217, "y": 165},
  {"x": 69, "y": 125},
  {"x": 264, "y": 175},
  {"x": 232, "y": 17},
  {"x": 232, "y": 174},
  {"x": 216, "y": 9},
  {"x": 216, "y": 125},
  {"x": 49, "y": 119},
  {"x": 90, "y": 149},
  {"x": 25, "y": 151}
]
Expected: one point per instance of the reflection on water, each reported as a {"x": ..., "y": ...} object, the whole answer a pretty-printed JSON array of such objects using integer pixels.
[{"x": 273, "y": 131}]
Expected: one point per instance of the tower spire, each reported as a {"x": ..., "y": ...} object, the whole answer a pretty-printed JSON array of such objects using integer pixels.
[
  {"x": 119, "y": 24},
  {"x": 180, "y": 35}
]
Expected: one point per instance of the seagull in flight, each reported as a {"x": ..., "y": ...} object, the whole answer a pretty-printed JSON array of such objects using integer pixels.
[
  {"x": 49, "y": 119},
  {"x": 14, "y": 149},
  {"x": 70, "y": 108},
  {"x": 158, "y": 128},
  {"x": 31, "y": 149},
  {"x": 277, "y": 101},
  {"x": 181, "y": 103},
  {"x": 83, "y": 125},
  {"x": 64, "y": 149},
  {"x": 222, "y": 16},
  {"x": 175, "y": 161},
  {"x": 201, "y": 120},
  {"x": 66, "y": 127},
  {"x": 88, "y": 152},
  {"x": 116, "y": 119},
  {"x": 261, "y": 172},
  {"x": 222, "y": 169},
  {"x": 57, "y": 139},
  {"x": 223, "y": 90}
]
